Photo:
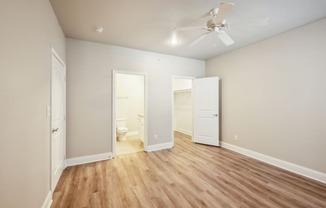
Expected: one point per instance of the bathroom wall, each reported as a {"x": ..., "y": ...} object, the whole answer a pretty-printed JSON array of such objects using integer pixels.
[
  {"x": 183, "y": 106},
  {"x": 129, "y": 99},
  {"x": 89, "y": 92}
]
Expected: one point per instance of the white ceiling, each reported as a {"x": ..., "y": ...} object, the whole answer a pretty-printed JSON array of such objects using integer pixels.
[{"x": 148, "y": 24}]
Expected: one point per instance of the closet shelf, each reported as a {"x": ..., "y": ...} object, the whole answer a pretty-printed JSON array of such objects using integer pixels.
[{"x": 182, "y": 91}]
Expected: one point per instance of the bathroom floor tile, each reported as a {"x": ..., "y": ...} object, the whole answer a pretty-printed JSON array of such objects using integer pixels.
[{"x": 131, "y": 145}]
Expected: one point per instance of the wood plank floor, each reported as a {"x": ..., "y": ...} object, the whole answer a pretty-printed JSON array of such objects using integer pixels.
[{"x": 189, "y": 175}]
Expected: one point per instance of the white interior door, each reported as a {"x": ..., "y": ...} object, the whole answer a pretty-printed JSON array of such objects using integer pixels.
[
  {"x": 206, "y": 121},
  {"x": 58, "y": 122}
]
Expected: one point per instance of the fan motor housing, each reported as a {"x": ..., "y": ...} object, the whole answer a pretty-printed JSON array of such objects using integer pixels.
[{"x": 212, "y": 24}]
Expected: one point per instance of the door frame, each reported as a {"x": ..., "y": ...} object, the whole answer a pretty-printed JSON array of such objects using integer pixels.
[
  {"x": 54, "y": 54},
  {"x": 113, "y": 109},
  {"x": 172, "y": 106}
]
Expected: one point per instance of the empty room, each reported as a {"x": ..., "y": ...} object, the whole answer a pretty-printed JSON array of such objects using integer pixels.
[{"x": 162, "y": 103}]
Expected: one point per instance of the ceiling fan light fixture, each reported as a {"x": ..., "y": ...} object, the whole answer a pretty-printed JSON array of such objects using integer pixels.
[
  {"x": 174, "y": 41},
  {"x": 213, "y": 12},
  {"x": 216, "y": 25}
]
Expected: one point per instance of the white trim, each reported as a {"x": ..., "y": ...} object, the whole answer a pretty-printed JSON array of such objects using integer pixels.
[
  {"x": 307, "y": 172},
  {"x": 113, "y": 101},
  {"x": 156, "y": 147},
  {"x": 132, "y": 133},
  {"x": 58, "y": 57},
  {"x": 187, "y": 132},
  {"x": 182, "y": 91},
  {"x": 48, "y": 200},
  {"x": 88, "y": 159}
]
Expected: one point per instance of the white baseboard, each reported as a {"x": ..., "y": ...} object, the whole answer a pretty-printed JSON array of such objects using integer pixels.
[
  {"x": 189, "y": 133},
  {"x": 48, "y": 201},
  {"x": 88, "y": 159},
  {"x": 156, "y": 147},
  {"x": 132, "y": 133},
  {"x": 307, "y": 172}
]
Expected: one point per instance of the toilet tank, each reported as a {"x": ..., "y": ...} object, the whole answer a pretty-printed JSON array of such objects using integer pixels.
[{"x": 121, "y": 122}]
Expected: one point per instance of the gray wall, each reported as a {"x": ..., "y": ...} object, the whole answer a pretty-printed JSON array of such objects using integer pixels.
[
  {"x": 28, "y": 30},
  {"x": 274, "y": 96},
  {"x": 89, "y": 76}
]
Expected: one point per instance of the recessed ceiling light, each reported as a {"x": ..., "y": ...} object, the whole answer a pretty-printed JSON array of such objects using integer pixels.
[
  {"x": 99, "y": 29},
  {"x": 174, "y": 41}
]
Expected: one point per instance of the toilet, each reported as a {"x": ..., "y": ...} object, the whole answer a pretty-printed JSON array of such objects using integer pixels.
[{"x": 121, "y": 124}]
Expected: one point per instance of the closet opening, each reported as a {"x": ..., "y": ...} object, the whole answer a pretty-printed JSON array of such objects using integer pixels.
[{"x": 182, "y": 107}]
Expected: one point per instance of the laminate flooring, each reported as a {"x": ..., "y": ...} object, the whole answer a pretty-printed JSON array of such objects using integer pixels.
[{"x": 188, "y": 175}]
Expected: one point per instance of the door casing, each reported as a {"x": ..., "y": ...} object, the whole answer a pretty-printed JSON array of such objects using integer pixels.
[{"x": 114, "y": 73}]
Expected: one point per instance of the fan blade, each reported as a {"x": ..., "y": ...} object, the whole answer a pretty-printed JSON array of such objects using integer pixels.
[
  {"x": 223, "y": 11},
  {"x": 197, "y": 40},
  {"x": 190, "y": 28},
  {"x": 225, "y": 38},
  {"x": 207, "y": 14}
]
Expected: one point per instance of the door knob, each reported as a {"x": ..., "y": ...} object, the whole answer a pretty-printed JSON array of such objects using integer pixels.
[
  {"x": 215, "y": 115},
  {"x": 54, "y": 130}
]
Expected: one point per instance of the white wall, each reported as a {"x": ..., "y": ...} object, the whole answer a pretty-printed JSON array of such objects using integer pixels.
[
  {"x": 273, "y": 96},
  {"x": 89, "y": 76},
  {"x": 28, "y": 30},
  {"x": 182, "y": 105},
  {"x": 182, "y": 84},
  {"x": 130, "y": 99},
  {"x": 183, "y": 112}
]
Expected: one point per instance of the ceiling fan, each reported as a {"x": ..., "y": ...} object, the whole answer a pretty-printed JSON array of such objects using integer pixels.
[{"x": 215, "y": 25}]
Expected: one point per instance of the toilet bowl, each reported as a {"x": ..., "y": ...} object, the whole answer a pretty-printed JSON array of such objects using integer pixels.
[{"x": 122, "y": 130}]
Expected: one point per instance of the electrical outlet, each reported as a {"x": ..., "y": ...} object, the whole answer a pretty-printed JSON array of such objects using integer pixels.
[
  {"x": 155, "y": 136},
  {"x": 235, "y": 137}
]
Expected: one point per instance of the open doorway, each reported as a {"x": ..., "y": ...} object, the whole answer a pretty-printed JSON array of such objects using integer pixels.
[
  {"x": 182, "y": 107},
  {"x": 195, "y": 110},
  {"x": 129, "y": 113}
]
